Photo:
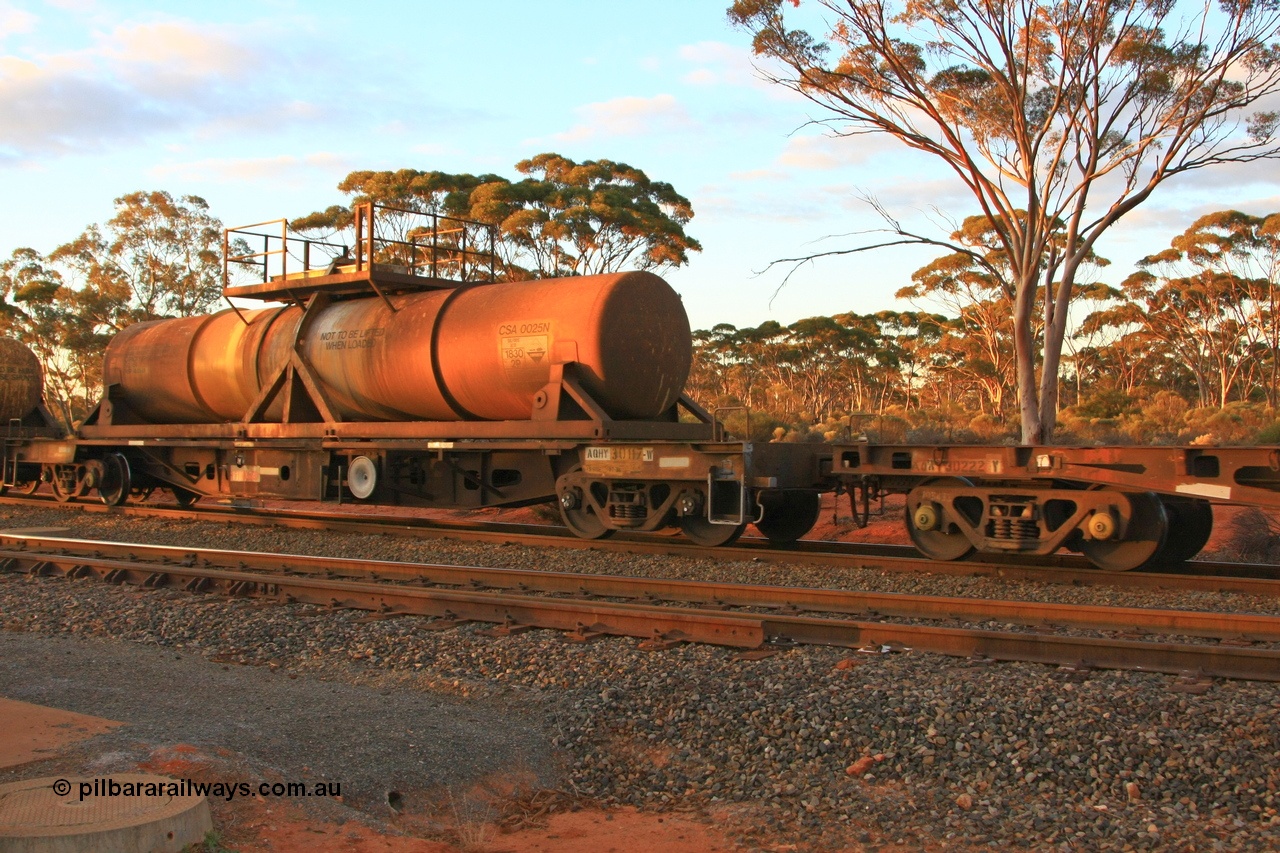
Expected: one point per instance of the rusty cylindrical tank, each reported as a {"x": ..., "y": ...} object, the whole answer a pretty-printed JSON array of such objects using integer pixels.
[
  {"x": 21, "y": 380},
  {"x": 471, "y": 353}
]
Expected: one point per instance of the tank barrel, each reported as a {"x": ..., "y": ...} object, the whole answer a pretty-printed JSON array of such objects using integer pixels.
[{"x": 474, "y": 352}]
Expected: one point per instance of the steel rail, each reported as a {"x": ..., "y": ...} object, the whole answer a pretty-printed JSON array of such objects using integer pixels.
[
  {"x": 1210, "y": 624},
  {"x": 1261, "y": 580},
  {"x": 587, "y": 619}
]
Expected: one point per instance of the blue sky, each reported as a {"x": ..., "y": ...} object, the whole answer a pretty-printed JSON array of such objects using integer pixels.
[{"x": 262, "y": 107}]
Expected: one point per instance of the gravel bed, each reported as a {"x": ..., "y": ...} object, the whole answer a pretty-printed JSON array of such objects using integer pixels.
[
  {"x": 823, "y": 749},
  {"x": 385, "y": 547}
]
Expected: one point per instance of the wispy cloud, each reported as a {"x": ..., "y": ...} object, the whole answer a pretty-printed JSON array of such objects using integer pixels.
[
  {"x": 719, "y": 63},
  {"x": 135, "y": 80},
  {"x": 14, "y": 21},
  {"x": 629, "y": 116},
  {"x": 835, "y": 152},
  {"x": 286, "y": 169}
]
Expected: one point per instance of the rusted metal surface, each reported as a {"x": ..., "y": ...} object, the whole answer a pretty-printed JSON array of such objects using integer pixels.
[
  {"x": 1253, "y": 627},
  {"x": 21, "y": 381},
  {"x": 473, "y": 353},
  {"x": 711, "y": 626},
  {"x": 1236, "y": 475}
]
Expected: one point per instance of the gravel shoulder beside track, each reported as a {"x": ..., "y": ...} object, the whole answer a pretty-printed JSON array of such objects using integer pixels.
[{"x": 822, "y": 748}]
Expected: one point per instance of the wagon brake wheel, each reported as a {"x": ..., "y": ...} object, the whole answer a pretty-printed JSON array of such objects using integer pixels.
[
  {"x": 1148, "y": 529},
  {"x": 945, "y": 542},
  {"x": 701, "y": 531},
  {"x": 788, "y": 514},
  {"x": 578, "y": 514}
]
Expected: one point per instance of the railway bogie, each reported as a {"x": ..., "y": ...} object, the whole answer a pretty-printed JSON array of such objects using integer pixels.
[{"x": 1121, "y": 507}]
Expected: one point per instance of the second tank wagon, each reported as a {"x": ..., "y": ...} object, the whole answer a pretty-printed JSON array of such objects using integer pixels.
[{"x": 400, "y": 375}]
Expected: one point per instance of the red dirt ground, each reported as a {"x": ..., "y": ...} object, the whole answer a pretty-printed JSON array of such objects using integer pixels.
[{"x": 251, "y": 824}]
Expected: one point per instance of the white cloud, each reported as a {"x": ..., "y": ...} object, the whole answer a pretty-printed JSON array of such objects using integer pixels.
[
  {"x": 136, "y": 80},
  {"x": 629, "y": 116},
  {"x": 759, "y": 175},
  {"x": 835, "y": 152},
  {"x": 286, "y": 169},
  {"x": 718, "y": 63},
  {"x": 14, "y": 21}
]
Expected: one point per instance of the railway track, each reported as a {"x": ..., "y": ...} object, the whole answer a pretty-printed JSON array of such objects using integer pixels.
[
  {"x": 663, "y": 612},
  {"x": 1243, "y": 578}
]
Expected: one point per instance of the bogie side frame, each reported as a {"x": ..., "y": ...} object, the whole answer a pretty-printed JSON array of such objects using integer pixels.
[{"x": 1122, "y": 507}]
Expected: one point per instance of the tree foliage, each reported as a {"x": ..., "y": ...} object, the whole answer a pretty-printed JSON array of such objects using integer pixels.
[
  {"x": 1057, "y": 116},
  {"x": 565, "y": 218},
  {"x": 156, "y": 257}
]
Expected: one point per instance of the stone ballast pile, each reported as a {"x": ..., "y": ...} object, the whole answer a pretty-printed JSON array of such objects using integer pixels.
[{"x": 823, "y": 747}]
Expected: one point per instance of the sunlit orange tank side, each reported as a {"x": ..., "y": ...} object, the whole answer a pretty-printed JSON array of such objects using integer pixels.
[
  {"x": 479, "y": 352},
  {"x": 21, "y": 381}
]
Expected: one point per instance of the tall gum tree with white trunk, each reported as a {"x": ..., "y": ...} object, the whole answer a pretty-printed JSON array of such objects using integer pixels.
[{"x": 1060, "y": 118}]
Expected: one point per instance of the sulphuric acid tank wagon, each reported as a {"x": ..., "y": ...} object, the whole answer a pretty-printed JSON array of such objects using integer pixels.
[
  {"x": 470, "y": 353},
  {"x": 406, "y": 374}
]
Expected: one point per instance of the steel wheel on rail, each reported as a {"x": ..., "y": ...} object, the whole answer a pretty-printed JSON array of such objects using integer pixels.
[
  {"x": 578, "y": 512},
  {"x": 930, "y": 531},
  {"x": 1146, "y": 534},
  {"x": 185, "y": 497},
  {"x": 788, "y": 514},
  {"x": 699, "y": 530},
  {"x": 28, "y": 488},
  {"x": 117, "y": 480},
  {"x": 1190, "y": 526}
]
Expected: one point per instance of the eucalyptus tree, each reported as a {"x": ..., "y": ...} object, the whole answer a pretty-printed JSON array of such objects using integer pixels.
[
  {"x": 1054, "y": 114},
  {"x": 564, "y": 218}
]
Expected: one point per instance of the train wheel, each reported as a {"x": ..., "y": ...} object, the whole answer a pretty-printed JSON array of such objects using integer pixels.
[
  {"x": 140, "y": 494},
  {"x": 1148, "y": 529},
  {"x": 117, "y": 480},
  {"x": 579, "y": 514},
  {"x": 28, "y": 488},
  {"x": 185, "y": 497},
  {"x": 1190, "y": 526},
  {"x": 929, "y": 530},
  {"x": 702, "y": 532},
  {"x": 788, "y": 514}
]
